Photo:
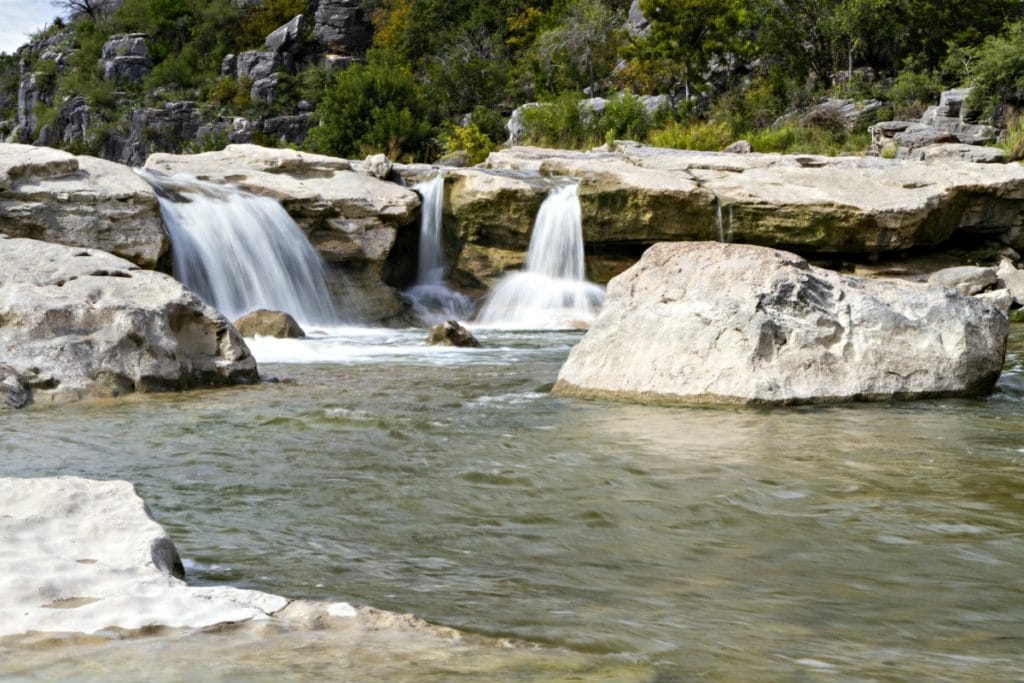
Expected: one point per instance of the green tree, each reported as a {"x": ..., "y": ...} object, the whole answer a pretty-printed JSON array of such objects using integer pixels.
[
  {"x": 376, "y": 107},
  {"x": 586, "y": 34}
]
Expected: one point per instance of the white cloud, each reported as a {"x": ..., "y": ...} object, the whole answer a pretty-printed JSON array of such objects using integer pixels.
[{"x": 18, "y": 18}]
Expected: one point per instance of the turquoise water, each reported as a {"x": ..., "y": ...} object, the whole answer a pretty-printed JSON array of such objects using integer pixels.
[{"x": 858, "y": 542}]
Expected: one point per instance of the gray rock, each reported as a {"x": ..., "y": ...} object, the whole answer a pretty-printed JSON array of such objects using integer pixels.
[
  {"x": 706, "y": 322},
  {"x": 14, "y": 392},
  {"x": 965, "y": 279},
  {"x": 920, "y": 135},
  {"x": 265, "y": 89},
  {"x": 1000, "y": 299},
  {"x": 341, "y": 26},
  {"x": 739, "y": 147},
  {"x": 254, "y": 64},
  {"x": 167, "y": 128},
  {"x": 126, "y": 57},
  {"x": 287, "y": 39},
  {"x": 637, "y": 23},
  {"x": 378, "y": 165},
  {"x": 451, "y": 333},
  {"x": 1012, "y": 280},
  {"x": 82, "y": 323},
  {"x": 229, "y": 65},
  {"x": 288, "y": 130},
  {"x": 266, "y": 323},
  {"x": 958, "y": 150},
  {"x": 34, "y": 89}
]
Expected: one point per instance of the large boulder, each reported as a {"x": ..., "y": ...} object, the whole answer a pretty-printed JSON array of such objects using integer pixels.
[
  {"x": 350, "y": 217},
  {"x": 266, "y": 323},
  {"x": 341, "y": 26},
  {"x": 705, "y": 322},
  {"x": 53, "y": 196},
  {"x": 81, "y": 323}
]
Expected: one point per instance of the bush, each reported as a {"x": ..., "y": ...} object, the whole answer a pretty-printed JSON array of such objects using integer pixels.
[
  {"x": 267, "y": 16},
  {"x": 997, "y": 72},
  {"x": 911, "y": 92},
  {"x": 793, "y": 138},
  {"x": 701, "y": 135},
  {"x": 1013, "y": 139},
  {"x": 370, "y": 108},
  {"x": 625, "y": 117},
  {"x": 469, "y": 139},
  {"x": 556, "y": 123}
]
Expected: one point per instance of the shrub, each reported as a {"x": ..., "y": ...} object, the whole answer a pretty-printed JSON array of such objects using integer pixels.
[
  {"x": 1013, "y": 139},
  {"x": 556, "y": 123},
  {"x": 370, "y": 108},
  {"x": 997, "y": 72},
  {"x": 792, "y": 138},
  {"x": 469, "y": 139},
  {"x": 267, "y": 16},
  {"x": 911, "y": 92},
  {"x": 701, "y": 135},
  {"x": 625, "y": 117}
]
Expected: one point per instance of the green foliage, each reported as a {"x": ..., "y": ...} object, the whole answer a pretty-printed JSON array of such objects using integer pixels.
[
  {"x": 625, "y": 117},
  {"x": 558, "y": 122},
  {"x": 792, "y": 138},
  {"x": 1013, "y": 140},
  {"x": 469, "y": 139},
  {"x": 912, "y": 92},
  {"x": 491, "y": 123},
  {"x": 376, "y": 107},
  {"x": 997, "y": 71},
  {"x": 267, "y": 16},
  {"x": 697, "y": 135}
]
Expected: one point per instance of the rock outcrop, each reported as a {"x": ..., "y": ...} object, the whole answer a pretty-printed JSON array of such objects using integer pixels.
[
  {"x": 81, "y": 323},
  {"x": 352, "y": 218},
  {"x": 341, "y": 27},
  {"x": 948, "y": 123},
  {"x": 639, "y": 195},
  {"x": 269, "y": 324},
  {"x": 705, "y": 322},
  {"x": 126, "y": 57},
  {"x": 53, "y": 196}
]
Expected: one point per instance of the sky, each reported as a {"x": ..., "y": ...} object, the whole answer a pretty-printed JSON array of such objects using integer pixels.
[{"x": 18, "y": 18}]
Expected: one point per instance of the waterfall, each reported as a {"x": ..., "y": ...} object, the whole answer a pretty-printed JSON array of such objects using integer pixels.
[
  {"x": 433, "y": 301},
  {"x": 241, "y": 252},
  {"x": 552, "y": 292}
]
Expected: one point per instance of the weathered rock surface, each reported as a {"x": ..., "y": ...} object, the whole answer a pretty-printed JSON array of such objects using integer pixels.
[
  {"x": 269, "y": 324},
  {"x": 949, "y": 122},
  {"x": 451, "y": 333},
  {"x": 816, "y": 204},
  {"x": 342, "y": 27},
  {"x": 83, "y": 556},
  {"x": 724, "y": 323},
  {"x": 50, "y": 195},
  {"x": 352, "y": 218},
  {"x": 1012, "y": 279},
  {"x": 965, "y": 279},
  {"x": 81, "y": 323},
  {"x": 126, "y": 57}
]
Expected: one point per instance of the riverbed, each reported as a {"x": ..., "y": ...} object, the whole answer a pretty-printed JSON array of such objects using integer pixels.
[{"x": 569, "y": 540}]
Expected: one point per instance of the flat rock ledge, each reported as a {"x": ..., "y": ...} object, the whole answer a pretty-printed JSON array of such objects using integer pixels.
[
  {"x": 85, "y": 556},
  {"x": 707, "y": 322},
  {"x": 81, "y": 323}
]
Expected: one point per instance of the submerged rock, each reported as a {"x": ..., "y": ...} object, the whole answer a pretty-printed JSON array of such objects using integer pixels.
[
  {"x": 697, "y": 322},
  {"x": 81, "y": 323},
  {"x": 266, "y": 323},
  {"x": 965, "y": 279},
  {"x": 451, "y": 333}
]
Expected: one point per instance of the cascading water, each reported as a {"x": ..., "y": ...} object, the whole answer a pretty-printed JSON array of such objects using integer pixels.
[
  {"x": 432, "y": 299},
  {"x": 552, "y": 292},
  {"x": 241, "y": 252}
]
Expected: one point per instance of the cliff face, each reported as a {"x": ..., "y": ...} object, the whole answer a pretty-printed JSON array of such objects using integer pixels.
[{"x": 122, "y": 118}]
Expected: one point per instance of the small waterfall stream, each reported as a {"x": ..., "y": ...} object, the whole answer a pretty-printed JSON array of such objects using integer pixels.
[
  {"x": 432, "y": 299},
  {"x": 241, "y": 252},
  {"x": 552, "y": 292}
]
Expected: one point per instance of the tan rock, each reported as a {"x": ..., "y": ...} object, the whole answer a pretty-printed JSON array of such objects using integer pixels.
[{"x": 269, "y": 324}]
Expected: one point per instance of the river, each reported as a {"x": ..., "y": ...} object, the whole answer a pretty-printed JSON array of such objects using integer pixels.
[{"x": 851, "y": 542}]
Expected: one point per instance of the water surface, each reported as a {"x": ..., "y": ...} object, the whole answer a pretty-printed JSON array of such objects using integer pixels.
[{"x": 856, "y": 542}]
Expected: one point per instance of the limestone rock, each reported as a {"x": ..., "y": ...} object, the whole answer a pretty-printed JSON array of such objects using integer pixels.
[
  {"x": 739, "y": 147},
  {"x": 82, "y": 323},
  {"x": 1000, "y": 299},
  {"x": 973, "y": 153},
  {"x": 269, "y": 324},
  {"x": 287, "y": 130},
  {"x": 965, "y": 279},
  {"x": 82, "y": 556},
  {"x": 378, "y": 165},
  {"x": 14, "y": 393},
  {"x": 451, "y": 333},
  {"x": 169, "y": 127},
  {"x": 126, "y": 57},
  {"x": 707, "y": 322},
  {"x": 341, "y": 26},
  {"x": 265, "y": 89},
  {"x": 1012, "y": 280},
  {"x": 287, "y": 39},
  {"x": 50, "y": 195},
  {"x": 254, "y": 64}
]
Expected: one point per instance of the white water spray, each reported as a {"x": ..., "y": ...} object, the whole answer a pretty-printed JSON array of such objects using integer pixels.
[
  {"x": 552, "y": 292},
  {"x": 241, "y": 252},
  {"x": 433, "y": 301}
]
